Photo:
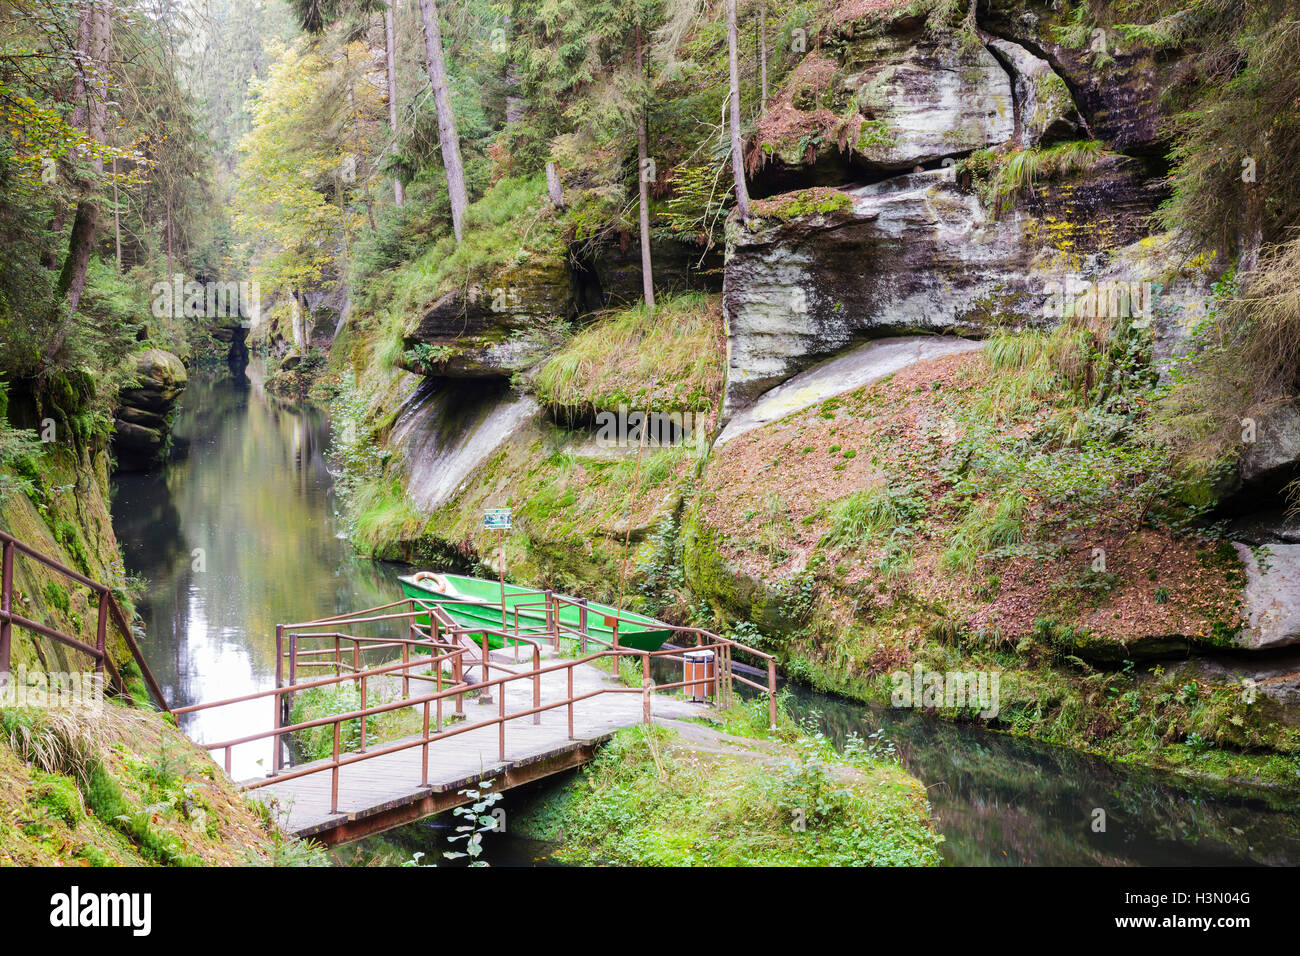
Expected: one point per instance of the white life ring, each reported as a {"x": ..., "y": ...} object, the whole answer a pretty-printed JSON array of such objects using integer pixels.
[{"x": 431, "y": 581}]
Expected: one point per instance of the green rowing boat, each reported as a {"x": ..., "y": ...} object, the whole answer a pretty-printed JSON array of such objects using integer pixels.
[{"x": 476, "y": 602}]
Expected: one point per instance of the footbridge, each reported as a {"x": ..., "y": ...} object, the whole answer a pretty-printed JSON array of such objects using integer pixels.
[{"x": 410, "y": 709}]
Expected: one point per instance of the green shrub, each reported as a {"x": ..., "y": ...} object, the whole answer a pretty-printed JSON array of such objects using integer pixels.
[
  {"x": 865, "y": 514},
  {"x": 59, "y": 796},
  {"x": 317, "y": 743}
]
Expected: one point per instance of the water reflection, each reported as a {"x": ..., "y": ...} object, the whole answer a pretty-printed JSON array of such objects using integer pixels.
[
  {"x": 1002, "y": 800},
  {"x": 238, "y": 536},
  {"x": 998, "y": 801}
]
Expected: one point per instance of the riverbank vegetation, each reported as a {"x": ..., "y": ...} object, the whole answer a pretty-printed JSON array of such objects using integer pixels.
[
  {"x": 739, "y": 796},
  {"x": 993, "y": 513},
  {"x": 125, "y": 788}
]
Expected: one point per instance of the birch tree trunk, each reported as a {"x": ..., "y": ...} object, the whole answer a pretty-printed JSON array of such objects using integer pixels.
[
  {"x": 390, "y": 39},
  {"x": 437, "y": 68},
  {"x": 554, "y": 188},
  {"x": 737, "y": 155},
  {"x": 643, "y": 187}
]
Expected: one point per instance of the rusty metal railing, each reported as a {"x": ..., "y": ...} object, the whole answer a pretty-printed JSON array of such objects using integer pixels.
[
  {"x": 107, "y": 609},
  {"x": 444, "y": 642}
]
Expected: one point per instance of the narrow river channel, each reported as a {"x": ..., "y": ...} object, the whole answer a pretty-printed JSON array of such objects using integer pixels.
[{"x": 241, "y": 533}]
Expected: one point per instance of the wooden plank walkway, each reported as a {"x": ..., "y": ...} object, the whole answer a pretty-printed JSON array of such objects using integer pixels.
[{"x": 384, "y": 791}]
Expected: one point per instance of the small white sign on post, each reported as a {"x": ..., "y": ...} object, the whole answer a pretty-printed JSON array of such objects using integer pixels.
[{"x": 496, "y": 519}]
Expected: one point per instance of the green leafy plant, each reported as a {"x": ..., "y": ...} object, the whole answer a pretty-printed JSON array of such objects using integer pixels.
[{"x": 478, "y": 821}]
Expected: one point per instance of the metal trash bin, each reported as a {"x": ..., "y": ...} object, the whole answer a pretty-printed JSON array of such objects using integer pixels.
[{"x": 700, "y": 674}]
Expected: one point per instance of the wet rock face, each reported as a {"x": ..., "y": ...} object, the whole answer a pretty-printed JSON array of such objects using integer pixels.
[
  {"x": 912, "y": 254},
  {"x": 1118, "y": 85},
  {"x": 445, "y": 431},
  {"x": 142, "y": 421},
  {"x": 925, "y": 98},
  {"x": 1044, "y": 110}
]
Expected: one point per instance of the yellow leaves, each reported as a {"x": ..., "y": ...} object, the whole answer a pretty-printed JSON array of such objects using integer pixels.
[{"x": 314, "y": 120}]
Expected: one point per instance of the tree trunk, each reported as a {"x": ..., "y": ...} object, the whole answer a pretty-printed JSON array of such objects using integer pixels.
[
  {"x": 554, "y": 188},
  {"x": 737, "y": 154},
  {"x": 390, "y": 37},
  {"x": 451, "y": 160},
  {"x": 91, "y": 87},
  {"x": 643, "y": 187},
  {"x": 117, "y": 220}
]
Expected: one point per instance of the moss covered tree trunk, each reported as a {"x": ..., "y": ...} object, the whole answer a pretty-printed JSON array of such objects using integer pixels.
[{"x": 90, "y": 92}]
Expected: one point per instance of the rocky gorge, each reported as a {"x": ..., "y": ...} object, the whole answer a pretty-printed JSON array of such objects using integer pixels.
[
  {"x": 986, "y": 186},
  {"x": 929, "y": 347}
]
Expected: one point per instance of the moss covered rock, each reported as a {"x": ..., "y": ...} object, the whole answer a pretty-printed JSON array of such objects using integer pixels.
[{"x": 143, "y": 419}]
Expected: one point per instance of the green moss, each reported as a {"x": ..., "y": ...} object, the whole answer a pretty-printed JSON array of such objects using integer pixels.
[
  {"x": 666, "y": 360},
  {"x": 816, "y": 201},
  {"x": 94, "y": 856},
  {"x": 56, "y": 596},
  {"x": 59, "y": 796},
  {"x": 875, "y": 133}
]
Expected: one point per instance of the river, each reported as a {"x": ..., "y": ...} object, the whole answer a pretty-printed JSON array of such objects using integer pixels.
[{"x": 242, "y": 533}]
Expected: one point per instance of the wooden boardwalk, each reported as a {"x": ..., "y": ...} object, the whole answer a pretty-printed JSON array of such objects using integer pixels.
[
  {"x": 523, "y": 719},
  {"x": 385, "y": 791}
]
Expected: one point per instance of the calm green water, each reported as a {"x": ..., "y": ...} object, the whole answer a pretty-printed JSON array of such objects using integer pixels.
[
  {"x": 1004, "y": 801},
  {"x": 240, "y": 535},
  {"x": 998, "y": 801},
  {"x": 255, "y": 495}
]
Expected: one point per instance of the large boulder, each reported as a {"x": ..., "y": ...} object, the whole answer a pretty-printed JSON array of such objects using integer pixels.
[
  {"x": 1045, "y": 112},
  {"x": 160, "y": 379},
  {"x": 1271, "y": 460},
  {"x": 1272, "y": 595},
  {"x": 871, "y": 103},
  {"x": 1254, "y": 481},
  {"x": 925, "y": 97},
  {"x": 142, "y": 421},
  {"x": 915, "y": 253},
  {"x": 496, "y": 328}
]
